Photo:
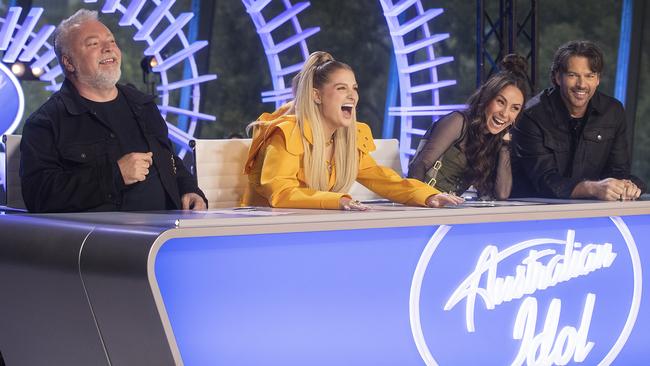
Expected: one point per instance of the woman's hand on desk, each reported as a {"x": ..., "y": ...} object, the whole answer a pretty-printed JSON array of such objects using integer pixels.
[
  {"x": 443, "y": 199},
  {"x": 348, "y": 204}
]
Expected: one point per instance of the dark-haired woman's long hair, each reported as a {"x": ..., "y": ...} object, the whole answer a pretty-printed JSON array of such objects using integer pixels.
[{"x": 482, "y": 147}]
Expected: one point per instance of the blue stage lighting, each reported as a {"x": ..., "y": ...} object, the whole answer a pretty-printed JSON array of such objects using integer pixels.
[
  {"x": 412, "y": 95},
  {"x": 273, "y": 48}
]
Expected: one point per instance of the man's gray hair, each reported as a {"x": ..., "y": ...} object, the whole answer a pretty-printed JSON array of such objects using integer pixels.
[{"x": 61, "y": 46}]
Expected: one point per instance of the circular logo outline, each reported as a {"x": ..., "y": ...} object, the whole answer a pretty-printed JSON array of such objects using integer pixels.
[
  {"x": 21, "y": 100},
  {"x": 441, "y": 232}
]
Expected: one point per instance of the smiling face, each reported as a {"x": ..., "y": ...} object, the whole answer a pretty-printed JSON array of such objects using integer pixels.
[
  {"x": 337, "y": 100},
  {"x": 502, "y": 111},
  {"x": 94, "y": 59},
  {"x": 577, "y": 85}
]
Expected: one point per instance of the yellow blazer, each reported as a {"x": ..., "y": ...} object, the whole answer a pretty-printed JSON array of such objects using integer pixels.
[{"x": 276, "y": 174}]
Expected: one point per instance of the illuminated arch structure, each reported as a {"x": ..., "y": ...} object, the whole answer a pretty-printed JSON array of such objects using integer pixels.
[
  {"x": 413, "y": 44},
  {"x": 159, "y": 47},
  {"x": 406, "y": 52},
  {"x": 274, "y": 48}
]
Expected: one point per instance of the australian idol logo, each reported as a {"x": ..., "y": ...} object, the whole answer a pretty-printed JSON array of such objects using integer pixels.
[
  {"x": 13, "y": 103},
  {"x": 505, "y": 288}
]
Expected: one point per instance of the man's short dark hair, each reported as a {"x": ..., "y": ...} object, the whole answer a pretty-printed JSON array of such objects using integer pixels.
[{"x": 585, "y": 49}]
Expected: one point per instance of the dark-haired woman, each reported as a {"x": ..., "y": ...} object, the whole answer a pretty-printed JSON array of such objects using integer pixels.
[
  {"x": 308, "y": 153},
  {"x": 470, "y": 147}
]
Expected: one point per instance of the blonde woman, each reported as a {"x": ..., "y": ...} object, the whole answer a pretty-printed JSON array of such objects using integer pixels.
[{"x": 309, "y": 153}]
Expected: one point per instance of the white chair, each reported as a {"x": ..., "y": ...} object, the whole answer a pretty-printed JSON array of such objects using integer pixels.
[
  {"x": 12, "y": 171},
  {"x": 219, "y": 166},
  {"x": 386, "y": 154},
  {"x": 219, "y": 170}
]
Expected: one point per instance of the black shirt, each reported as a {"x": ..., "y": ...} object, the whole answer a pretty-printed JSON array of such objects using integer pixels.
[
  {"x": 576, "y": 126},
  {"x": 551, "y": 156},
  {"x": 148, "y": 195},
  {"x": 68, "y": 158}
]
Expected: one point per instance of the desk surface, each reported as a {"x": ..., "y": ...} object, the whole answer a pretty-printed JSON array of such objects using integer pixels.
[{"x": 234, "y": 221}]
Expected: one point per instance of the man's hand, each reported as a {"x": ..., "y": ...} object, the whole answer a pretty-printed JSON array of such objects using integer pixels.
[
  {"x": 443, "y": 199},
  {"x": 135, "y": 166},
  {"x": 192, "y": 201},
  {"x": 608, "y": 189},
  {"x": 632, "y": 192}
]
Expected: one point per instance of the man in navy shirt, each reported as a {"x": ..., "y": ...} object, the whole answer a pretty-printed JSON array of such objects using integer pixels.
[{"x": 96, "y": 145}]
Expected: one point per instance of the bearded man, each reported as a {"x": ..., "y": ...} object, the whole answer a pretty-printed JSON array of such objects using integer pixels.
[{"x": 96, "y": 145}]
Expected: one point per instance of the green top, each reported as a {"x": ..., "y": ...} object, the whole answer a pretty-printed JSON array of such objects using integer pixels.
[{"x": 450, "y": 177}]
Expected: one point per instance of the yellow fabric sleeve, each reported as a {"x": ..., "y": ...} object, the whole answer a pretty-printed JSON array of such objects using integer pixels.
[{"x": 281, "y": 180}]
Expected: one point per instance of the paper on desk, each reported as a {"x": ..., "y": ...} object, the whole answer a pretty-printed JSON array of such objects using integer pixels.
[
  {"x": 246, "y": 211},
  {"x": 389, "y": 206}
]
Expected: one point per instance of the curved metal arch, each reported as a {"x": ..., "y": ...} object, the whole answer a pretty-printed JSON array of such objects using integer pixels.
[
  {"x": 411, "y": 94},
  {"x": 174, "y": 30},
  {"x": 24, "y": 45},
  {"x": 273, "y": 48}
]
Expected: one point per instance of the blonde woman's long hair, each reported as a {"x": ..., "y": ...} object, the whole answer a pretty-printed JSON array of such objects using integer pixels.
[{"x": 314, "y": 74}]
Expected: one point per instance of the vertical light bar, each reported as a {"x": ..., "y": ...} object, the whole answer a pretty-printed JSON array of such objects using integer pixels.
[
  {"x": 23, "y": 34},
  {"x": 625, "y": 38},
  {"x": 152, "y": 21},
  {"x": 131, "y": 12},
  {"x": 186, "y": 93},
  {"x": 391, "y": 99},
  {"x": 36, "y": 43},
  {"x": 8, "y": 27},
  {"x": 168, "y": 34}
]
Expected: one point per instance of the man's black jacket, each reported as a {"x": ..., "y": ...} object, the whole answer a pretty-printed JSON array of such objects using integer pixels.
[
  {"x": 69, "y": 156},
  {"x": 542, "y": 163}
]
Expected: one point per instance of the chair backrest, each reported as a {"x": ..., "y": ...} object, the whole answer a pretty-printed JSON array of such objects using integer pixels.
[
  {"x": 219, "y": 169},
  {"x": 12, "y": 171},
  {"x": 386, "y": 154},
  {"x": 220, "y": 164}
]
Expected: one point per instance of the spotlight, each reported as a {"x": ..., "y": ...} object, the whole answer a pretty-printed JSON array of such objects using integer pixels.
[
  {"x": 24, "y": 72},
  {"x": 18, "y": 69},
  {"x": 147, "y": 64},
  {"x": 37, "y": 72}
]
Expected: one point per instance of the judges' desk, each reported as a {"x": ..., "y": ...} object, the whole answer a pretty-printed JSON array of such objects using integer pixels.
[{"x": 537, "y": 284}]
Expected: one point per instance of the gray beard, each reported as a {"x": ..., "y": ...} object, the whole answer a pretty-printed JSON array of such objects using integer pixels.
[{"x": 102, "y": 80}]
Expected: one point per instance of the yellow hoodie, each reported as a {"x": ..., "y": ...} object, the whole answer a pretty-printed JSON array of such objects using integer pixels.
[{"x": 276, "y": 173}]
